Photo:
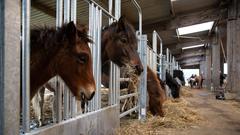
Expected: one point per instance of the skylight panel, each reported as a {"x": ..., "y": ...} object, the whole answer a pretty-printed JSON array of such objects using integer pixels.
[
  {"x": 194, "y": 46},
  {"x": 195, "y": 28}
]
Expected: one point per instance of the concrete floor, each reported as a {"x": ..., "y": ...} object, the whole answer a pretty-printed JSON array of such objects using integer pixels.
[{"x": 222, "y": 116}]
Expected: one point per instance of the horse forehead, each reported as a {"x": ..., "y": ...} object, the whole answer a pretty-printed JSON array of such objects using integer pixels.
[{"x": 82, "y": 47}]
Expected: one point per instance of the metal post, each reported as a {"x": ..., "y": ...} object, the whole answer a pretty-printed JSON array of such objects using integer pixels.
[
  {"x": 10, "y": 47},
  {"x": 66, "y": 91},
  {"x": 110, "y": 95},
  {"x": 143, "y": 81},
  {"x": 167, "y": 59},
  {"x": 99, "y": 59},
  {"x": 164, "y": 67},
  {"x": 26, "y": 5},
  {"x": 73, "y": 104},
  {"x": 58, "y": 99},
  {"x": 154, "y": 50}
]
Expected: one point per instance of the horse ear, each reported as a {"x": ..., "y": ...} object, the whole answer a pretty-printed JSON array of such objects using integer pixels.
[
  {"x": 121, "y": 23},
  {"x": 71, "y": 30}
]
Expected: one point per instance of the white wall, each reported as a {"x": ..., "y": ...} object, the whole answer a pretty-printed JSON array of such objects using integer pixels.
[{"x": 189, "y": 72}]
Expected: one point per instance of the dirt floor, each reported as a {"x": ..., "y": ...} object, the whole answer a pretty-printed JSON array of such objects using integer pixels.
[{"x": 218, "y": 117}]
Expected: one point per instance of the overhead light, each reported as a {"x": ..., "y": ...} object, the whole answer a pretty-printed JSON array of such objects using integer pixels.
[
  {"x": 194, "y": 46},
  {"x": 195, "y": 28}
]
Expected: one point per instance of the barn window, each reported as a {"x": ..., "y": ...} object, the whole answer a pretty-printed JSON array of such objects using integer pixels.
[
  {"x": 194, "y": 46},
  {"x": 195, "y": 28}
]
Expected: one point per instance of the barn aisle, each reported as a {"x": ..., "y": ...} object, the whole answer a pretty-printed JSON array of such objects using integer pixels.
[
  {"x": 222, "y": 116},
  {"x": 207, "y": 116}
]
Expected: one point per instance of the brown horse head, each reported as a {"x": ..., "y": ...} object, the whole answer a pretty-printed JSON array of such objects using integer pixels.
[
  {"x": 65, "y": 52},
  {"x": 119, "y": 44}
]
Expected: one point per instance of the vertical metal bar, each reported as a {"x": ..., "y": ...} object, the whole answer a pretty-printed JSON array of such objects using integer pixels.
[
  {"x": 94, "y": 51},
  {"x": 74, "y": 11},
  {"x": 58, "y": 100},
  {"x": 117, "y": 76},
  {"x": 143, "y": 81},
  {"x": 74, "y": 19},
  {"x": 110, "y": 94},
  {"x": 167, "y": 57},
  {"x": 66, "y": 11},
  {"x": 99, "y": 59},
  {"x": 59, "y": 12},
  {"x": 91, "y": 32},
  {"x": 96, "y": 58},
  {"x": 154, "y": 49},
  {"x": 26, "y": 5},
  {"x": 66, "y": 91}
]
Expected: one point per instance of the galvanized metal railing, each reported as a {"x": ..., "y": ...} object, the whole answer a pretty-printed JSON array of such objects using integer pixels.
[{"x": 66, "y": 106}]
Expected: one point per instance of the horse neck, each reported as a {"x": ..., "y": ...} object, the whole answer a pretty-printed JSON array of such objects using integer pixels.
[
  {"x": 107, "y": 34},
  {"x": 43, "y": 59},
  {"x": 104, "y": 42}
]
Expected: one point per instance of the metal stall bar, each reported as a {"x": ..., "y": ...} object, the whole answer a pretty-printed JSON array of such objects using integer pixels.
[
  {"x": 103, "y": 10},
  {"x": 58, "y": 99},
  {"x": 167, "y": 60},
  {"x": 91, "y": 33},
  {"x": 110, "y": 95},
  {"x": 160, "y": 66},
  {"x": 73, "y": 105},
  {"x": 164, "y": 66},
  {"x": 154, "y": 46},
  {"x": 95, "y": 23},
  {"x": 143, "y": 82},
  {"x": 26, "y": 5},
  {"x": 128, "y": 96},
  {"x": 129, "y": 111},
  {"x": 116, "y": 68},
  {"x": 92, "y": 30},
  {"x": 142, "y": 50},
  {"x": 99, "y": 71},
  {"x": 66, "y": 13}
]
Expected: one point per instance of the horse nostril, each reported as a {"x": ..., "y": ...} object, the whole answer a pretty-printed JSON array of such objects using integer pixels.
[
  {"x": 139, "y": 69},
  {"x": 92, "y": 95}
]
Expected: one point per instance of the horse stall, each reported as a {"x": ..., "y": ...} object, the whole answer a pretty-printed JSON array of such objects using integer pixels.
[{"x": 100, "y": 115}]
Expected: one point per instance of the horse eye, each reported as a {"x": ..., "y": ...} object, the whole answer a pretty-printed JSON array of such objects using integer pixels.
[
  {"x": 124, "y": 40},
  {"x": 82, "y": 58}
]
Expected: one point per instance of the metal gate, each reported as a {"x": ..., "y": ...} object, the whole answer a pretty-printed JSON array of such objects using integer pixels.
[{"x": 96, "y": 120}]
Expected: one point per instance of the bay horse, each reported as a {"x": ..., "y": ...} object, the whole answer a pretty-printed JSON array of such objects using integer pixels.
[
  {"x": 119, "y": 45},
  {"x": 196, "y": 80},
  {"x": 65, "y": 52},
  {"x": 156, "y": 93}
]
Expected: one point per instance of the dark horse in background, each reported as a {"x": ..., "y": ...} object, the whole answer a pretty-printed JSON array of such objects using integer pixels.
[
  {"x": 179, "y": 74},
  {"x": 173, "y": 85},
  {"x": 65, "y": 52}
]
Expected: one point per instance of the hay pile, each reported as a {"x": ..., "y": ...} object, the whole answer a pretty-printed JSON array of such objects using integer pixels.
[
  {"x": 185, "y": 92},
  {"x": 178, "y": 115}
]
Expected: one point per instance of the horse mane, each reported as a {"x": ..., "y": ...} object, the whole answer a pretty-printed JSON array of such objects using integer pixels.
[
  {"x": 128, "y": 30},
  {"x": 50, "y": 37}
]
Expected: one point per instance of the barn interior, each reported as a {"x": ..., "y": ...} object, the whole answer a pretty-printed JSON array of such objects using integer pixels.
[
  {"x": 167, "y": 17},
  {"x": 203, "y": 35}
]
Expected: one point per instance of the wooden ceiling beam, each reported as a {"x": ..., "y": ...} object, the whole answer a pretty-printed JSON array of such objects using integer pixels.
[{"x": 189, "y": 55}]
